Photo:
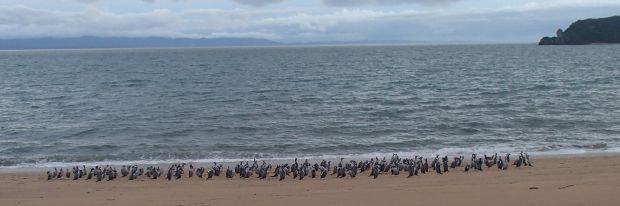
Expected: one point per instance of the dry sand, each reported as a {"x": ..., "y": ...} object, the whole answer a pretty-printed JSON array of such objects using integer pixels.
[{"x": 593, "y": 180}]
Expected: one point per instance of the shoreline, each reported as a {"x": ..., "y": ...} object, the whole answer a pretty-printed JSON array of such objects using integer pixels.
[
  {"x": 584, "y": 180},
  {"x": 167, "y": 163}
]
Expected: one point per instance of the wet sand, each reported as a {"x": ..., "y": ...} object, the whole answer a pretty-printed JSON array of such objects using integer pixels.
[{"x": 569, "y": 180}]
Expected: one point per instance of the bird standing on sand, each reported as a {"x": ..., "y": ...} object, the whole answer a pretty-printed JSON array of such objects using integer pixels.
[
  {"x": 60, "y": 174},
  {"x": 282, "y": 173},
  {"x": 519, "y": 161},
  {"x": 190, "y": 173},
  {"x": 200, "y": 172},
  {"x": 169, "y": 174},
  {"x": 445, "y": 164},
  {"x": 54, "y": 173},
  {"x": 90, "y": 174},
  {"x": 124, "y": 171},
  {"x": 76, "y": 173},
  {"x": 375, "y": 171},
  {"x": 527, "y": 158},
  {"x": 324, "y": 172},
  {"x": 437, "y": 167},
  {"x": 229, "y": 173}
]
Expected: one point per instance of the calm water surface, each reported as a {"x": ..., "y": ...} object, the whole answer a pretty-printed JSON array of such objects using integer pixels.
[{"x": 158, "y": 105}]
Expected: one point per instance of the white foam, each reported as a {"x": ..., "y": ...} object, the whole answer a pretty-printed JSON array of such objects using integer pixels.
[{"x": 450, "y": 151}]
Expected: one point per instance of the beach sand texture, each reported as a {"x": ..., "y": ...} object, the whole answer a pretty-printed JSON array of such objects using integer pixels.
[{"x": 584, "y": 180}]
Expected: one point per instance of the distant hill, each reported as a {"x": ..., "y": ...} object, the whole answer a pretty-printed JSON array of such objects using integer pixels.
[
  {"x": 126, "y": 42},
  {"x": 589, "y": 31},
  {"x": 359, "y": 42}
]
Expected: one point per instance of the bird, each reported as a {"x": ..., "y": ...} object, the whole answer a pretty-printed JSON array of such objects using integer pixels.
[
  {"x": 519, "y": 161},
  {"x": 229, "y": 173},
  {"x": 282, "y": 173},
  {"x": 169, "y": 174},
  {"x": 375, "y": 171},
  {"x": 59, "y": 174},
  {"x": 505, "y": 165},
  {"x": 353, "y": 170},
  {"x": 200, "y": 172},
  {"x": 124, "y": 171},
  {"x": 500, "y": 164},
  {"x": 445, "y": 164},
  {"x": 527, "y": 158},
  {"x": 76, "y": 173},
  {"x": 301, "y": 174},
  {"x": 411, "y": 169},
  {"x": 276, "y": 171},
  {"x": 90, "y": 174},
  {"x": 324, "y": 172},
  {"x": 190, "y": 173}
]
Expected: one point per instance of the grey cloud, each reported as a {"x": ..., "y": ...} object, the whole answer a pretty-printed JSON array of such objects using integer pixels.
[
  {"x": 334, "y": 3},
  {"x": 22, "y": 21},
  {"x": 93, "y": 1},
  {"x": 520, "y": 23},
  {"x": 255, "y": 3},
  {"x": 258, "y": 3},
  {"x": 344, "y": 3}
]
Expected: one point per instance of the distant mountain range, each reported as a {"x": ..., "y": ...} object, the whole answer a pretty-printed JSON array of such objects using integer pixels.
[
  {"x": 126, "y": 42},
  {"x": 589, "y": 31},
  {"x": 360, "y": 42},
  {"x": 162, "y": 42}
]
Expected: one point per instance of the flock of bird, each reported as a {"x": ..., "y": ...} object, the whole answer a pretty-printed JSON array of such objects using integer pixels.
[{"x": 394, "y": 166}]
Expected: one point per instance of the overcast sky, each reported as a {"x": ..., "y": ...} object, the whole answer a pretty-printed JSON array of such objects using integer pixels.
[{"x": 301, "y": 21}]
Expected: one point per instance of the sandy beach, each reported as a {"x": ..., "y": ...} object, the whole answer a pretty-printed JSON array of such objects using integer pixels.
[{"x": 581, "y": 180}]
